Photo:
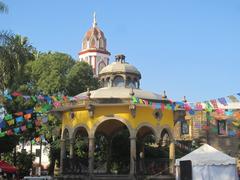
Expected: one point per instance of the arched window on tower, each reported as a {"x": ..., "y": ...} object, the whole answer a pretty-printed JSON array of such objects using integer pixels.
[
  {"x": 101, "y": 43},
  {"x": 84, "y": 44},
  {"x": 118, "y": 81},
  {"x": 101, "y": 65},
  {"x": 93, "y": 43}
]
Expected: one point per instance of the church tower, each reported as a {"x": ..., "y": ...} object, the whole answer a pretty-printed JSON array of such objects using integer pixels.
[{"x": 94, "y": 48}]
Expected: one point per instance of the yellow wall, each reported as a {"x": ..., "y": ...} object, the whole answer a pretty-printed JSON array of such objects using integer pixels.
[{"x": 144, "y": 114}]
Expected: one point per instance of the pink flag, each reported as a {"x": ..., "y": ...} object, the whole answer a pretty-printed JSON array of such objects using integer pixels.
[{"x": 214, "y": 103}]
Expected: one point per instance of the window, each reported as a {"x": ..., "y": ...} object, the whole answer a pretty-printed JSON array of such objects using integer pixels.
[
  {"x": 93, "y": 43},
  {"x": 101, "y": 65},
  {"x": 222, "y": 127},
  {"x": 130, "y": 83},
  {"x": 118, "y": 81},
  {"x": 184, "y": 127},
  {"x": 101, "y": 43}
]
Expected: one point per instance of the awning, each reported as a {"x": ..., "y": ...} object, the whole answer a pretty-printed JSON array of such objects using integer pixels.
[{"x": 8, "y": 168}]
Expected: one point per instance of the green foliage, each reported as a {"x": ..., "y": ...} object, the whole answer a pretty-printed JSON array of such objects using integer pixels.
[
  {"x": 120, "y": 152},
  {"x": 81, "y": 148},
  {"x": 15, "y": 52},
  {"x": 48, "y": 73},
  {"x": 101, "y": 148},
  {"x": 24, "y": 163},
  {"x": 80, "y": 78}
]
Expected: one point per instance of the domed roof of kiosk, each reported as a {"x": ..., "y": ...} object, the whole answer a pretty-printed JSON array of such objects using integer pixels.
[
  {"x": 120, "y": 66},
  {"x": 119, "y": 93}
]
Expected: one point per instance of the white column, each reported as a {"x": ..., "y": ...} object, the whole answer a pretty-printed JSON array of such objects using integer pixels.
[
  {"x": 71, "y": 148},
  {"x": 132, "y": 156},
  {"x": 171, "y": 157},
  {"x": 91, "y": 145},
  {"x": 62, "y": 154}
]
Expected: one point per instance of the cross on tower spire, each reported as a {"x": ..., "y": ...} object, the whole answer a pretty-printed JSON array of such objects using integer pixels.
[{"x": 94, "y": 20}]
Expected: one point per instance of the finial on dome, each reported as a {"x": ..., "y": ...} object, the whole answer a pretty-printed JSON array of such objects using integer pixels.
[
  {"x": 120, "y": 58},
  {"x": 94, "y": 20},
  {"x": 184, "y": 99},
  {"x": 164, "y": 96}
]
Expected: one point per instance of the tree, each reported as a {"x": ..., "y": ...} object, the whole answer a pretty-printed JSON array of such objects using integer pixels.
[
  {"x": 15, "y": 52},
  {"x": 24, "y": 163},
  {"x": 49, "y": 71},
  {"x": 3, "y": 7},
  {"x": 79, "y": 78}
]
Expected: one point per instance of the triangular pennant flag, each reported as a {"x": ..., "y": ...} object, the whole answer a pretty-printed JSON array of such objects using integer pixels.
[
  {"x": 168, "y": 107},
  {"x": 233, "y": 98},
  {"x": 9, "y": 132},
  {"x": 29, "y": 125},
  {"x": 145, "y": 102},
  {"x": 163, "y": 106},
  {"x": 140, "y": 101},
  {"x": 223, "y": 101},
  {"x": 15, "y": 94},
  {"x": 27, "y": 116},
  {"x": 199, "y": 106},
  {"x": 2, "y": 124},
  {"x": 10, "y": 122},
  {"x": 134, "y": 100},
  {"x": 158, "y": 105},
  {"x": 229, "y": 112},
  {"x": 45, "y": 119},
  {"x": 57, "y": 104},
  {"x": 2, "y": 134},
  {"x": 16, "y": 130},
  {"x": 29, "y": 111},
  {"x": 23, "y": 128},
  {"x": 214, "y": 103},
  {"x": 34, "y": 98},
  {"x": 54, "y": 98},
  {"x": 26, "y": 97},
  {"x": 191, "y": 112},
  {"x": 19, "y": 119},
  {"x": 8, "y": 97},
  {"x": 40, "y": 97},
  {"x": 208, "y": 107},
  {"x": 48, "y": 99},
  {"x": 220, "y": 111},
  {"x": 153, "y": 105},
  {"x": 65, "y": 98},
  {"x": 8, "y": 117},
  {"x": 18, "y": 114},
  {"x": 47, "y": 107},
  {"x": 38, "y": 122},
  {"x": 186, "y": 107}
]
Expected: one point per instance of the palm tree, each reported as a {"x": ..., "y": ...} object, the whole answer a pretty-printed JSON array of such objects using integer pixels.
[
  {"x": 3, "y": 7},
  {"x": 15, "y": 52}
]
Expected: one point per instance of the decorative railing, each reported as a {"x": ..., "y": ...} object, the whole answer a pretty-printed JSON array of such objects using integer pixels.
[
  {"x": 75, "y": 166},
  {"x": 152, "y": 166}
]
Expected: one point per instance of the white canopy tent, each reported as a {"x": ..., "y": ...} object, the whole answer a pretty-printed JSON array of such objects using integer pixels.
[{"x": 209, "y": 164}]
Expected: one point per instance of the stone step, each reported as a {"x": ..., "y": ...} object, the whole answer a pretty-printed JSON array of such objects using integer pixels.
[
  {"x": 111, "y": 177},
  {"x": 162, "y": 177}
]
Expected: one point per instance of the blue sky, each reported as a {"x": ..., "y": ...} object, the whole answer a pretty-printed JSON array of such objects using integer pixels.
[{"x": 187, "y": 47}]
